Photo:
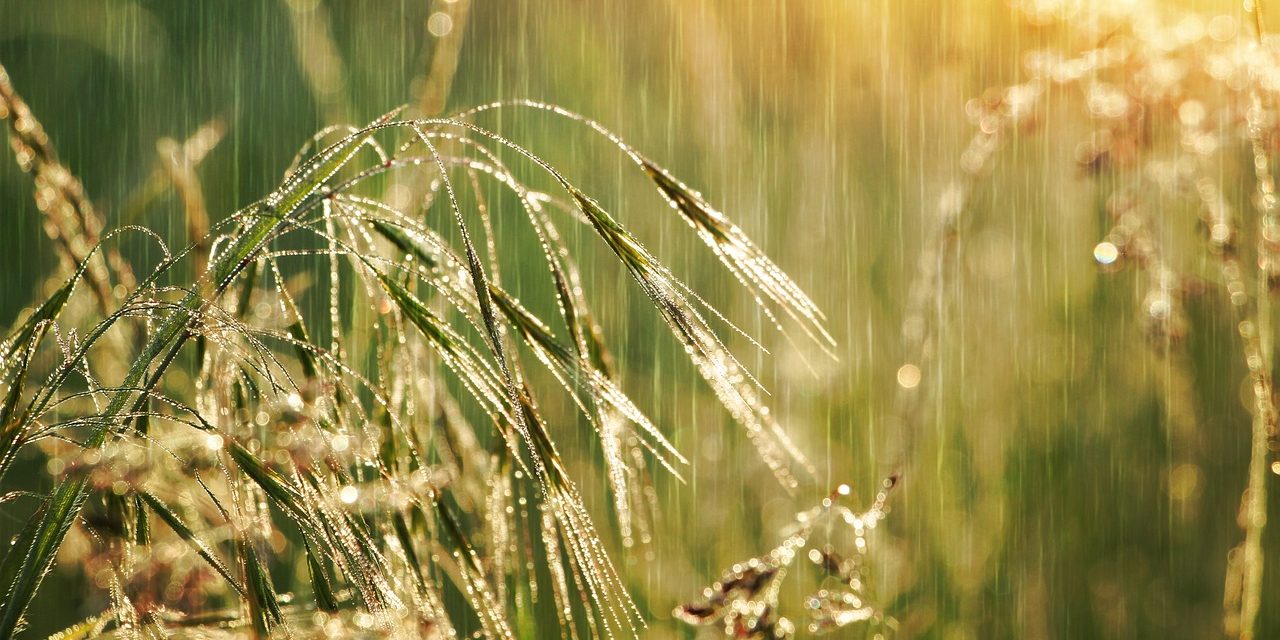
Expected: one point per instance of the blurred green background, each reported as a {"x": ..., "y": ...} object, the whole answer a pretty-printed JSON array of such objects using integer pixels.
[{"x": 1050, "y": 494}]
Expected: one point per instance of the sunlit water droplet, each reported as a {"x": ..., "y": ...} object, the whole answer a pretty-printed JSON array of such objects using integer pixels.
[
  {"x": 1106, "y": 253},
  {"x": 348, "y": 494},
  {"x": 213, "y": 442},
  {"x": 341, "y": 443},
  {"x": 439, "y": 24},
  {"x": 908, "y": 376}
]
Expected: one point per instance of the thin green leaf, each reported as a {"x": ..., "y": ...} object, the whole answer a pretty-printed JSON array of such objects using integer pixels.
[
  {"x": 321, "y": 586},
  {"x": 175, "y": 523},
  {"x": 264, "y": 606}
]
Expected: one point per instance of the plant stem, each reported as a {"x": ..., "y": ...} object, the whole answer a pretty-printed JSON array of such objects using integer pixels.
[{"x": 40, "y": 546}]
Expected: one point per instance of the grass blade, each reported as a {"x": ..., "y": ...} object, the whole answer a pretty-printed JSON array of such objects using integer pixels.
[{"x": 175, "y": 523}]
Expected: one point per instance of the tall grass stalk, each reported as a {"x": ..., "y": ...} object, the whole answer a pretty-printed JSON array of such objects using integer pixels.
[{"x": 282, "y": 437}]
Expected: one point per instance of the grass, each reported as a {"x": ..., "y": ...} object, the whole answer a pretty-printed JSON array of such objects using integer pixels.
[
  {"x": 382, "y": 402},
  {"x": 293, "y": 435}
]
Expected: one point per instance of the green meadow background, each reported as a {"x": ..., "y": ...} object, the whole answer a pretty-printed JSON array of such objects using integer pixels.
[{"x": 1052, "y": 490}]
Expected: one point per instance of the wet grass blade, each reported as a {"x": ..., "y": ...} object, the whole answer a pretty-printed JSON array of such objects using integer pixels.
[
  {"x": 179, "y": 527},
  {"x": 48, "y": 311},
  {"x": 264, "y": 605},
  {"x": 22, "y": 577},
  {"x": 85, "y": 629},
  {"x": 12, "y": 424},
  {"x": 321, "y": 586}
]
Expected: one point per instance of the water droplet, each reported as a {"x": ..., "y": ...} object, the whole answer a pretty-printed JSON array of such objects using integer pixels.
[
  {"x": 213, "y": 442},
  {"x": 439, "y": 24},
  {"x": 348, "y": 494},
  {"x": 341, "y": 443},
  {"x": 909, "y": 376},
  {"x": 1106, "y": 253}
]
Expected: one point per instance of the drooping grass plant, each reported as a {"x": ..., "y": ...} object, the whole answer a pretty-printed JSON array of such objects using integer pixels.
[{"x": 405, "y": 463}]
